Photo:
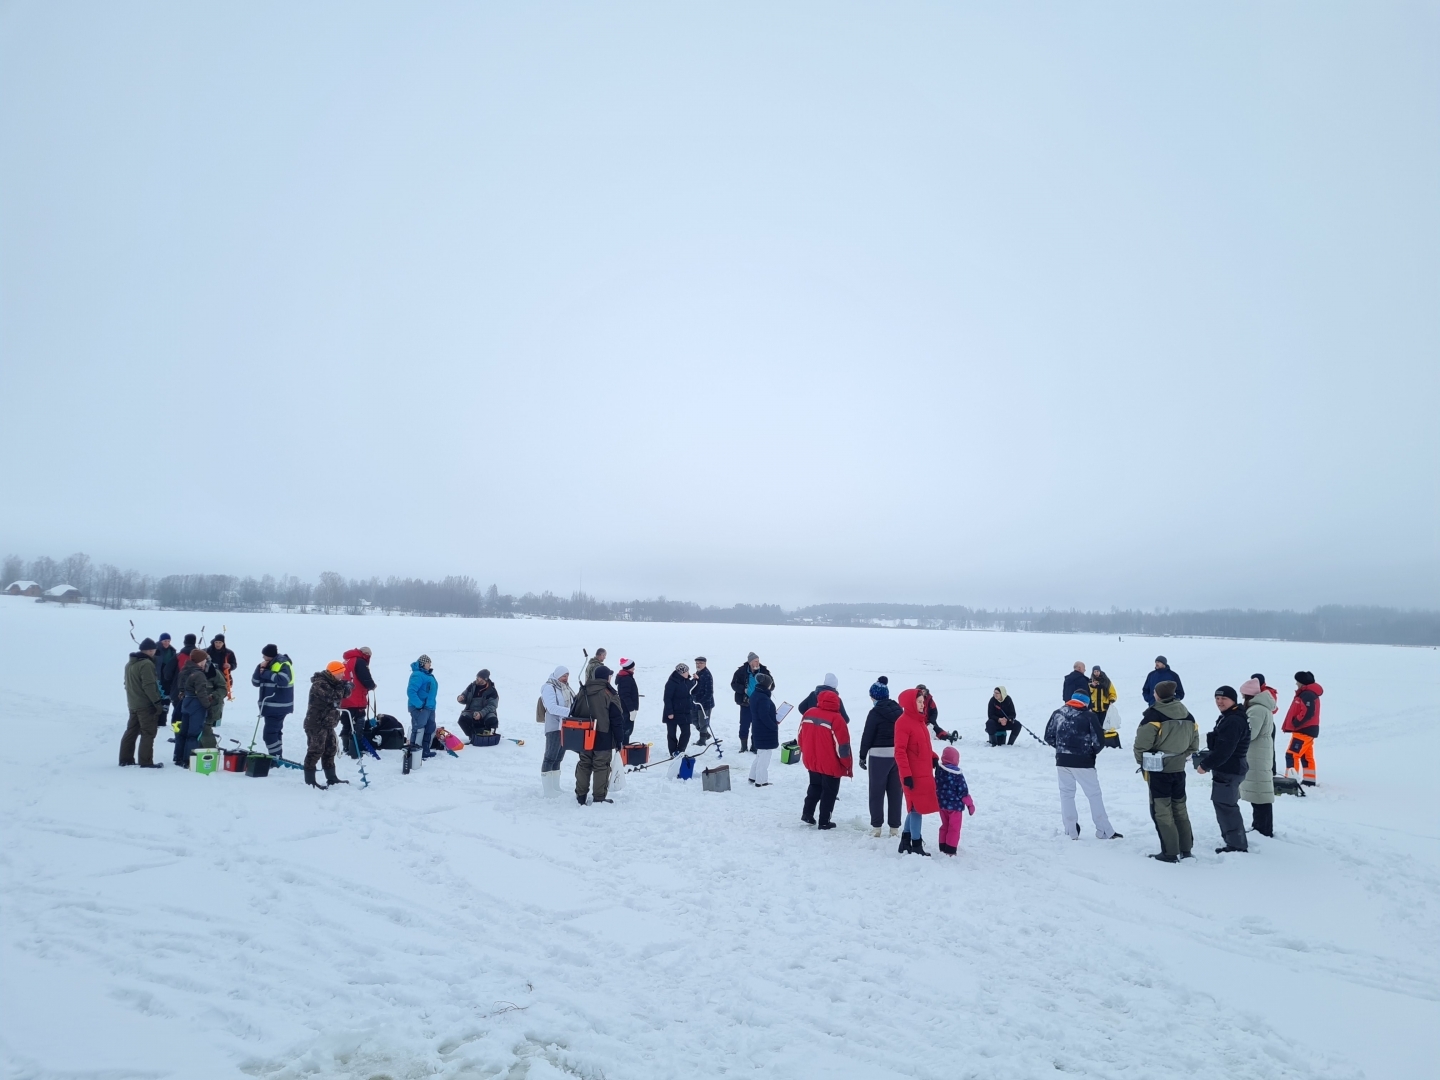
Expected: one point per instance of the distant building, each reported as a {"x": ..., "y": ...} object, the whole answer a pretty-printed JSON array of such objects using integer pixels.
[
  {"x": 23, "y": 588},
  {"x": 61, "y": 594}
]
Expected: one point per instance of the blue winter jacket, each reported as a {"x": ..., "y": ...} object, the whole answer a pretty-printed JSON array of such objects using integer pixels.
[
  {"x": 276, "y": 680},
  {"x": 1076, "y": 735},
  {"x": 422, "y": 688},
  {"x": 764, "y": 729},
  {"x": 950, "y": 789},
  {"x": 1155, "y": 678}
]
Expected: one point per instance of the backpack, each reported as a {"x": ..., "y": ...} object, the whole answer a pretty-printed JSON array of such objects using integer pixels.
[{"x": 540, "y": 709}]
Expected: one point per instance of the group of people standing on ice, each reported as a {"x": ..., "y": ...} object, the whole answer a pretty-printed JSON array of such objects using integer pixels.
[
  {"x": 1239, "y": 753},
  {"x": 896, "y": 749}
]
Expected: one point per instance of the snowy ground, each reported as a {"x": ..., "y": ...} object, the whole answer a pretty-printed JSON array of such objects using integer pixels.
[{"x": 453, "y": 923}]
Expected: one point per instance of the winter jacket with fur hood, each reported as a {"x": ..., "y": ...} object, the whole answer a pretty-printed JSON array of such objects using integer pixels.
[{"x": 915, "y": 756}]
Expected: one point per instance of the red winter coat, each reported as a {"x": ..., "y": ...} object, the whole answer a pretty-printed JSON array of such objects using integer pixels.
[
  {"x": 825, "y": 738},
  {"x": 359, "y": 697},
  {"x": 1303, "y": 715},
  {"x": 914, "y": 756}
]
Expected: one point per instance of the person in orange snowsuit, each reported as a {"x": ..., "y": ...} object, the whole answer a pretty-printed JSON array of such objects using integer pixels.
[{"x": 1302, "y": 722}]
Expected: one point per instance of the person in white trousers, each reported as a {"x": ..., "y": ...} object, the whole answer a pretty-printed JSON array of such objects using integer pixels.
[
  {"x": 764, "y": 729},
  {"x": 1077, "y": 735}
]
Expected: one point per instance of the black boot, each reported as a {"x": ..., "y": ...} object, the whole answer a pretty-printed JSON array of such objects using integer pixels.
[
  {"x": 331, "y": 778},
  {"x": 1165, "y": 858},
  {"x": 904, "y": 848},
  {"x": 917, "y": 847},
  {"x": 310, "y": 778}
]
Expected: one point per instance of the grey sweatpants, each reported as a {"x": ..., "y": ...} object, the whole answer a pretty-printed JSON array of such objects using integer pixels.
[
  {"x": 1089, "y": 783},
  {"x": 1225, "y": 794}
]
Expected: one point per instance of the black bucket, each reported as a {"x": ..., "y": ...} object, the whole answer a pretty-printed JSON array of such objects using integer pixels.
[{"x": 258, "y": 765}]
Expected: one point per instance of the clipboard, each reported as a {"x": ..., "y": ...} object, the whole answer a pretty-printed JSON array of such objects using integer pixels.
[{"x": 784, "y": 710}]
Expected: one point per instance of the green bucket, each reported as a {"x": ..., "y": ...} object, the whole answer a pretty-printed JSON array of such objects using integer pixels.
[{"x": 205, "y": 760}]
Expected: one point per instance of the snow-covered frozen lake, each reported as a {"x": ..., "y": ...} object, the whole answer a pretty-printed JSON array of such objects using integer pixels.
[{"x": 452, "y": 923}]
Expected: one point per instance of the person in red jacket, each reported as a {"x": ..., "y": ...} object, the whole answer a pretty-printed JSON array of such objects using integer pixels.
[
  {"x": 357, "y": 702},
  {"x": 915, "y": 758},
  {"x": 825, "y": 750},
  {"x": 1302, "y": 721}
]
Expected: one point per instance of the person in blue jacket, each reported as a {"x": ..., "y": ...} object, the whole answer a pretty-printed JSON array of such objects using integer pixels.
[
  {"x": 1162, "y": 673},
  {"x": 764, "y": 729},
  {"x": 421, "y": 694},
  {"x": 275, "y": 676}
]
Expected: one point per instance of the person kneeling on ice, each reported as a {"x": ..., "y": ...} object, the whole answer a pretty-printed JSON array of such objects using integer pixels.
[
  {"x": 915, "y": 759},
  {"x": 764, "y": 729},
  {"x": 1075, "y": 733},
  {"x": 1000, "y": 718},
  {"x": 421, "y": 694},
  {"x": 327, "y": 689},
  {"x": 1226, "y": 757},
  {"x": 953, "y": 794},
  {"x": 481, "y": 712},
  {"x": 1167, "y": 730},
  {"x": 597, "y": 701},
  {"x": 825, "y": 750}
]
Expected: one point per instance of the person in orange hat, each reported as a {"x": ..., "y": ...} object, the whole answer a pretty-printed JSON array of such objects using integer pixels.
[{"x": 327, "y": 689}]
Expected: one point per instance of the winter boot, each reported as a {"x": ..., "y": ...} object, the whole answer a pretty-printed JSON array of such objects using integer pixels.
[
  {"x": 331, "y": 778},
  {"x": 1162, "y": 857},
  {"x": 893, "y": 831},
  {"x": 581, "y": 799},
  {"x": 154, "y": 765},
  {"x": 917, "y": 847},
  {"x": 826, "y": 825},
  {"x": 904, "y": 848},
  {"x": 550, "y": 784},
  {"x": 310, "y": 778},
  {"x": 875, "y": 831},
  {"x": 946, "y": 849}
]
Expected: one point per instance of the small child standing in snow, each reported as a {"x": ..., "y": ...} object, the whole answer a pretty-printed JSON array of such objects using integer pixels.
[{"x": 954, "y": 797}]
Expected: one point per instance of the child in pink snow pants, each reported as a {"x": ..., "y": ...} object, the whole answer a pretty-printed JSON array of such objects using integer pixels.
[{"x": 954, "y": 797}]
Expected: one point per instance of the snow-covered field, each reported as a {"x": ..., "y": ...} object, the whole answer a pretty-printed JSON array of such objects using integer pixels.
[{"x": 452, "y": 923}]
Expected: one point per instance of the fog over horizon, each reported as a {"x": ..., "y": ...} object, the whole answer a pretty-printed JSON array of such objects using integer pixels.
[{"x": 1005, "y": 306}]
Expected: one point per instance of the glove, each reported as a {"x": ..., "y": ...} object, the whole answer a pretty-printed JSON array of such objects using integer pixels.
[
  {"x": 909, "y": 781},
  {"x": 864, "y": 766},
  {"x": 969, "y": 804}
]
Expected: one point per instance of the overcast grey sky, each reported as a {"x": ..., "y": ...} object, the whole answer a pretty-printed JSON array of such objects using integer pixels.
[{"x": 1002, "y": 304}]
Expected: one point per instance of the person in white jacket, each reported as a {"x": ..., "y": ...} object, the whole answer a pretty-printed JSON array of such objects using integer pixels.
[{"x": 556, "y": 697}]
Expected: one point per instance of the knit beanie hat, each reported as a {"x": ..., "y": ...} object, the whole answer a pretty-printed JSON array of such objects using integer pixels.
[
  {"x": 764, "y": 682},
  {"x": 483, "y": 673},
  {"x": 270, "y": 651},
  {"x": 879, "y": 691},
  {"x": 1227, "y": 692},
  {"x": 164, "y": 637},
  {"x": 1080, "y": 696},
  {"x": 189, "y": 641},
  {"x": 1259, "y": 678},
  {"x": 683, "y": 668},
  {"x": 950, "y": 759},
  {"x": 1250, "y": 687},
  {"x": 751, "y": 656},
  {"x": 147, "y": 645},
  {"x": 199, "y": 656},
  {"x": 831, "y": 681},
  {"x": 1304, "y": 678},
  {"x": 1165, "y": 691},
  {"x": 626, "y": 665},
  {"x": 424, "y": 660},
  {"x": 1161, "y": 660},
  {"x": 883, "y": 680}
]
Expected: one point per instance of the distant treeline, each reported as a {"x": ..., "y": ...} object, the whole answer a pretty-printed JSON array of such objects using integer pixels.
[{"x": 108, "y": 586}]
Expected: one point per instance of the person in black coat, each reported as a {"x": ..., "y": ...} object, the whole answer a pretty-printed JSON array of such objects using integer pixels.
[
  {"x": 480, "y": 706},
  {"x": 629, "y": 691},
  {"x": 677, "y": 709},
  {"x": 1000, "y": 718},
  {"x": 167, "y": 673},
  {"x": 1076, "y": 680},
  {"x": 764, "y": 730},
  {"x": 1225, "y": 759},
  {"x": 830, "y": 683},
  {"x": 877, "y": 746},
  {"x": 740, "y": 684},
  {"x": 703, "y": 694}
]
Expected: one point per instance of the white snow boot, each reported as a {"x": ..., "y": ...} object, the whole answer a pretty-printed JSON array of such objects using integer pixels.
[
  {"x": 875, "y": 831},
  {"x": 550, "y": 784}
]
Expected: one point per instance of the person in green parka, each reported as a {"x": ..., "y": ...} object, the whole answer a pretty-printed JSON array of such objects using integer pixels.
[
  {"x": 1168, "y": 728},
  {"x": 146, "y": 703},
  {"x": 218, "y": 689}
]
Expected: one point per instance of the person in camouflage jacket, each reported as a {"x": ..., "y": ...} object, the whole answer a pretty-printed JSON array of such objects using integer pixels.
[
  {"x": 196, "y": 700},
  {"x": 327, "y": 690},
  {"x": 147, "y": 706}
]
